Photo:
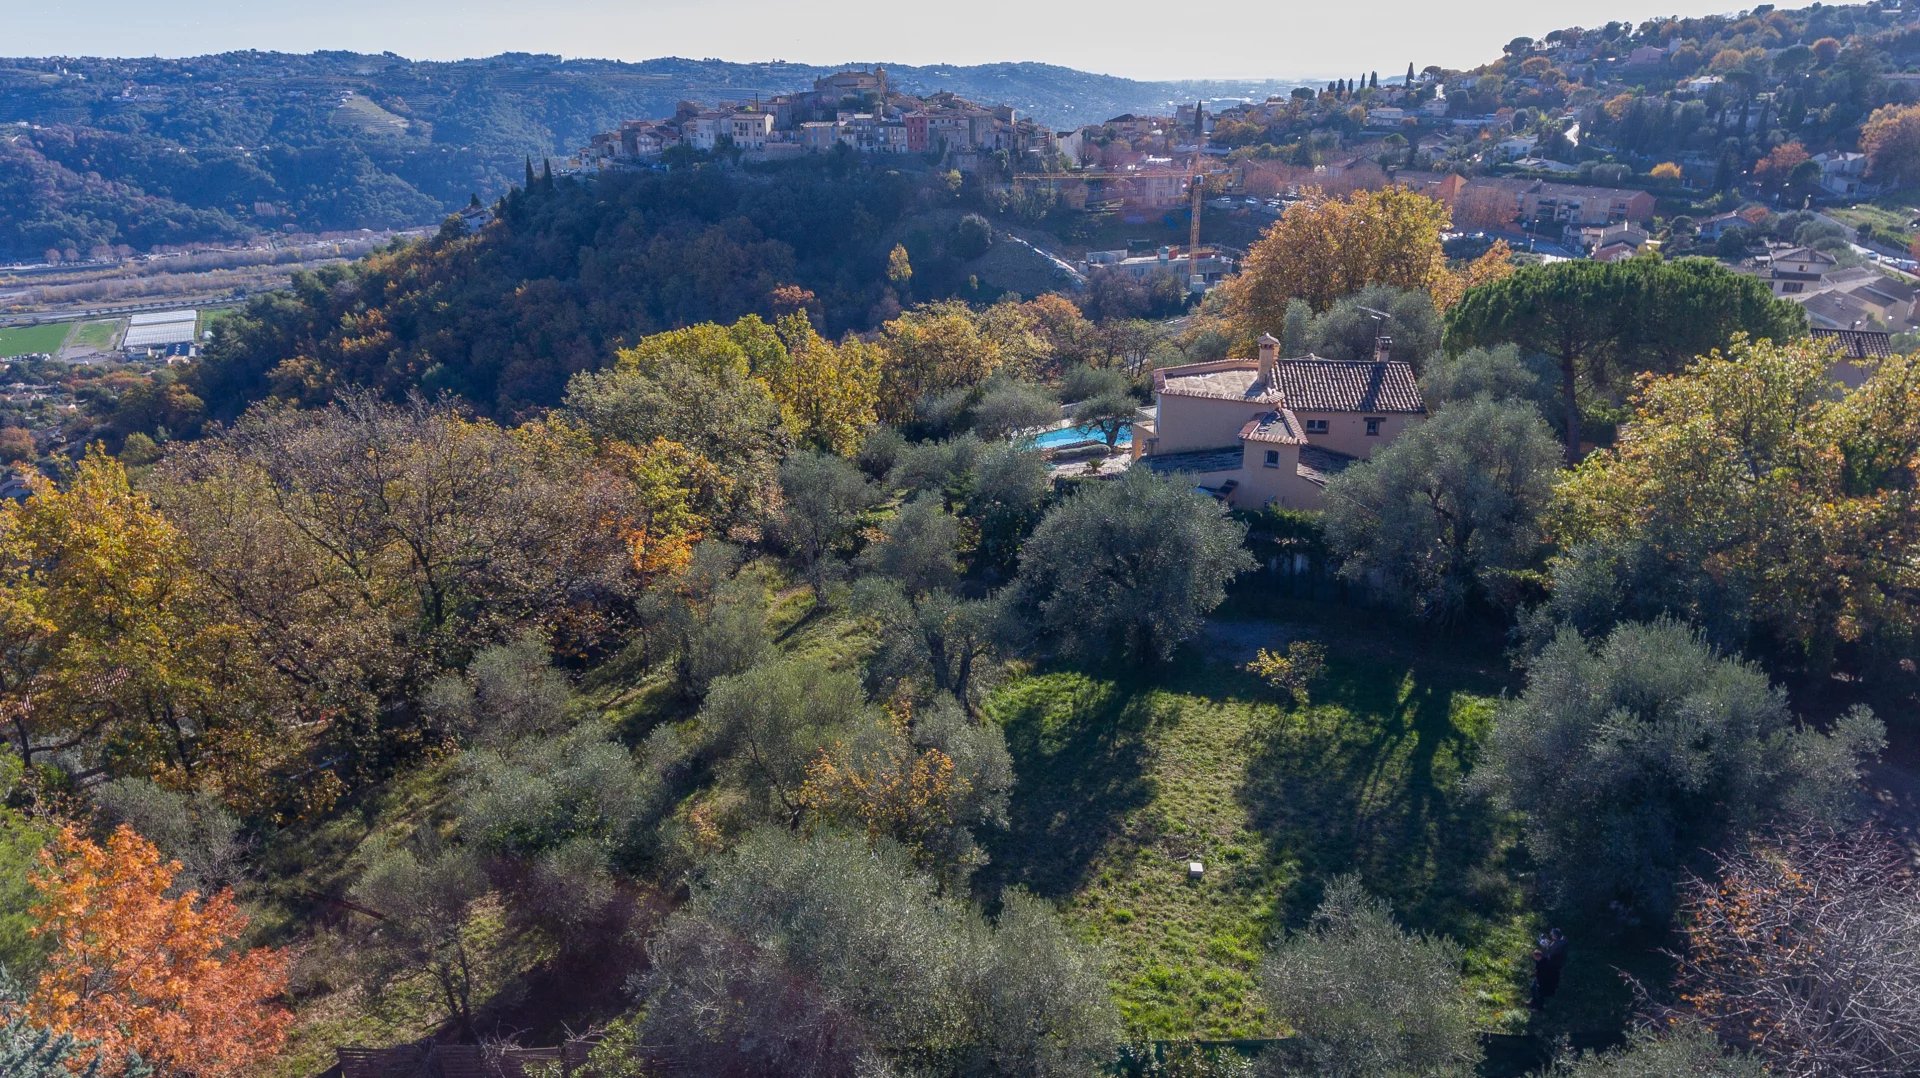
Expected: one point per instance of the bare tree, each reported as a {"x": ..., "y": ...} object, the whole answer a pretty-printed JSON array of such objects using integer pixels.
[{"x": 1806, "y": 951}]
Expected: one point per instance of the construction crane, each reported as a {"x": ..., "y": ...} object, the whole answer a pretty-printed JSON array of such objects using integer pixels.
[
  {"x": 1195, "y": 174},
  {"x": 1196, "y": 191}
]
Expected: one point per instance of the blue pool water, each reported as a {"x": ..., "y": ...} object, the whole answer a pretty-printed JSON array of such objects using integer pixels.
[{"x": 1069, "y": 435}]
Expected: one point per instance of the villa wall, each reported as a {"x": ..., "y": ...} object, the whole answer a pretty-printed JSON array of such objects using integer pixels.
[
  {"x": 1202, "y": 422},
  {"x": 1281, "y": 484},
  {"x": 1347, "y": 431}
]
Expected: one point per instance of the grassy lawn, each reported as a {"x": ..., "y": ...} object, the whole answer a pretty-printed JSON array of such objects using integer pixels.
[
  {"x": 26, "y": 340},
  {"x": 96, "y": 334},
  {"x": 212, "y": 317},
  {"x": 365, "y": 116},
  {"x": 1888, "y": 215},
  {"x": 1120, "y": 783}
]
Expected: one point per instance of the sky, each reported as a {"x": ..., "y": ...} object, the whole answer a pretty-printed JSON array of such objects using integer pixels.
[{"x": 1134, "y": 38}]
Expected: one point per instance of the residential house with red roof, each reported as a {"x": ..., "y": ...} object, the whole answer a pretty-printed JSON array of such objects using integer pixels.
[{"x": 1272, "y": 431}]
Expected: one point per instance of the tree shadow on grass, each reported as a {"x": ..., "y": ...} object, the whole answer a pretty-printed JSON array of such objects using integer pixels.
[
  {"x": 1368, "y": 780},
  {"x": 1080, "y": 754}
]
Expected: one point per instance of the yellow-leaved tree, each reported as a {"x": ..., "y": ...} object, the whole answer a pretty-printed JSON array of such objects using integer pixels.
[
  {"x": 674, "y": 490},
  {"x": 1752, "y": 497},
  {"x": 828, "y": 393},
  {"x": 1324, "y": 248},
  {"x": 108, "y": 647},
  {"x": 930, "y": 349}
]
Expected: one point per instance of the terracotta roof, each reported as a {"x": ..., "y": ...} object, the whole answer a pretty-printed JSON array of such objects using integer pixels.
[
  {"x": 1858, "y": 343},
  {"x": 1279, "y": 427},
  {"x": 1341, "y": 385}
]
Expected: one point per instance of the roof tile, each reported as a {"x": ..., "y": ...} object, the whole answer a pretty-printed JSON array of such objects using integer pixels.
[{"x": 1338, "y": 385}]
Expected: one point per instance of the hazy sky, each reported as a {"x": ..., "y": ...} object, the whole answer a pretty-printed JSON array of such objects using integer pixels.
[{"x": 1226, "y": 38}]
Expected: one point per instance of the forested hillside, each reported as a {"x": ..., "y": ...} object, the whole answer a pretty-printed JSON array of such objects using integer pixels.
[
  {"x": 574, "y": 268},
  {"x": 145, "y": 152}
]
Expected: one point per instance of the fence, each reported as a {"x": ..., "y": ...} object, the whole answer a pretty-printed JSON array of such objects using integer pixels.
[
  {"x": 1503, "y": 1055},
  {"x": 461, "y": 1061}
]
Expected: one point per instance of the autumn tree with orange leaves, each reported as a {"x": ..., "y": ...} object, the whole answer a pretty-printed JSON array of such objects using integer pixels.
[
  {"x": 1324, "y": 248},
  {"x": 136, "y": 971}
]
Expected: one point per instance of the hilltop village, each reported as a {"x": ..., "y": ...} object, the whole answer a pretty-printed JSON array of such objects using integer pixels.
[{"x": 1717, "y": 137}]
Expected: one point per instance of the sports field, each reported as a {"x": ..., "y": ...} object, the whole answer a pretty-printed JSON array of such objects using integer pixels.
[{"x": 26, "y": 340}]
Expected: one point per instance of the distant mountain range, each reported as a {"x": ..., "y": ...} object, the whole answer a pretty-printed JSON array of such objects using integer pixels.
[{"x": 149, "y": 152}]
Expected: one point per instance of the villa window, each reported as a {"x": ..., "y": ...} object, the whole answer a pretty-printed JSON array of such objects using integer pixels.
[
  {"x": 1373, "y": 427},
  {"x": 1273, "y": 458},
  {"x": 1316, "y": 426}
]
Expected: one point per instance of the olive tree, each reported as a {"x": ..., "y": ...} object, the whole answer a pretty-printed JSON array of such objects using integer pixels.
[
  {"x": 422, "y": 896},
  {"x": 1634, "y": 756},
  {"x": 1350, "y": 329},
  {"x": 935, "y": 641},
  {"x": 191, "y": 827},
  {"x": 1498, "y": 373},
  {"x": 769, "y": 722},
  {"x": 564, "y": 813},
  {"x": 1687, "y": 1050},
  {"x": 822, "y": 497},
  {"x": 510, "y": 691},
  {"x": 1367, "y": 997},
  {"x": 1008, "y": 407},
  {"x": 1006, "y": 493},
  {"x": 823, "y": 955},
  {"x": 916, "y": 548},
  {"x": 1448, "y": 512},
  {"x": 1129, "y": 569}
]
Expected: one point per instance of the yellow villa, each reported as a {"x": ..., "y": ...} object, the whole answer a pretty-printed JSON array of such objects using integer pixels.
[{"x": 1272, "y": 431}]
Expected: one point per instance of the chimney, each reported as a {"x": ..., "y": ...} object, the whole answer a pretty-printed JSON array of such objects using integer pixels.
[
  {"x": 1382, "y": 348},
  {"x": 1269, "y": 356}
]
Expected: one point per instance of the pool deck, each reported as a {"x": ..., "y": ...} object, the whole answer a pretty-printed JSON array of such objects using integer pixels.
[{"x": 1105, "y": 467}]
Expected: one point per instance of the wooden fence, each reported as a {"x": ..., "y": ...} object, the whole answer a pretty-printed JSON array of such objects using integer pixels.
[{"x": 461, "y": 1061}]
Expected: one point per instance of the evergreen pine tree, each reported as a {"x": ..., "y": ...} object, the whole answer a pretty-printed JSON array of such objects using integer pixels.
[
  {"x": 1409, "y": 73},
  {"x": 1373, "y": 80},
  {"x": 546, "y": 172},
  {"x": 529, "y": 173}
]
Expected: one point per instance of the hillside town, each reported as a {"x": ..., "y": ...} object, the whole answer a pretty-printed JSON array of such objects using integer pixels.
[
  {"x": 856, "y": 109},
  {"x": 1534, "y": 150}
]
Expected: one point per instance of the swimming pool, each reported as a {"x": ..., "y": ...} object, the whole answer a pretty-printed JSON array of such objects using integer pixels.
[{"x": 1053, "y": 439}]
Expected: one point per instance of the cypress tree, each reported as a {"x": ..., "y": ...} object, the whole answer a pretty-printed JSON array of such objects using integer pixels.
[
  {"x": 1409, "y": 72},
  {"x": 529, "y": 173}
]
